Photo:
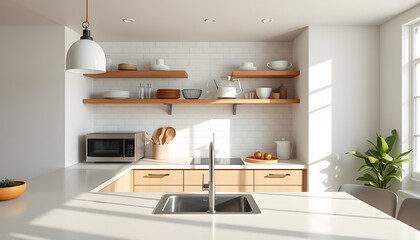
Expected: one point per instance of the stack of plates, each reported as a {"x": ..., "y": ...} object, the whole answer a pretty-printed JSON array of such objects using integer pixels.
[
  {"x": 248, "y": 68},
  {"x": 127, "y": 67},
  {"x": 168, "y": 93},
  {"x": 117, "y": 94},
  {"x": 156, "y": 67}
]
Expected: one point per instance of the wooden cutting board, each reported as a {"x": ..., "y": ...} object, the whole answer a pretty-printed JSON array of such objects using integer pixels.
[{"x": 251, "y": 159}]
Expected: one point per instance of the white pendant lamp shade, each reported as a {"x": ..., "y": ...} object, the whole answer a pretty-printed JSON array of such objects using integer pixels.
[{"x": 86, "y": 56}]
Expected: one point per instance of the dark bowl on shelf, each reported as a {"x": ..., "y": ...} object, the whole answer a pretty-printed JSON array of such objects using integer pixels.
[{"x": 191, "y": 93}]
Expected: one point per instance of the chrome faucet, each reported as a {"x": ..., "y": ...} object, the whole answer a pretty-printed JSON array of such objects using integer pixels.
[{"x": 211, "y": 185}]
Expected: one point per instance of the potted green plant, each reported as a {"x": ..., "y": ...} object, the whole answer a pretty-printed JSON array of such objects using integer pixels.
[
  {"x": 276, "y": 93},
  {"x": 380, "y": 163},
  {"x": 10, "y": 189}
]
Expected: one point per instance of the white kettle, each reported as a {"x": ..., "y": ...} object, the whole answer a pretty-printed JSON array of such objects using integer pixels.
[
  {"x": 226, "y": 88},
  {"x": 284, "y": 148}
]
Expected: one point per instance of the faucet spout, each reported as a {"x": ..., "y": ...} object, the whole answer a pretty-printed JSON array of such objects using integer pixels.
[
  {"x": 211, "y": 184},
  {"x": 212, "y": 192}
]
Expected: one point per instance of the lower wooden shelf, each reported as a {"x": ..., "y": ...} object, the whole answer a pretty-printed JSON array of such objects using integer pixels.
[
  {"x": 170, "y": 102},
  {"x": 190, "y": 101}
]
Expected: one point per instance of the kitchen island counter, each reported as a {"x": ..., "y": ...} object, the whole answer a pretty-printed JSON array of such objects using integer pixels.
[
  {"x": 93, "y": 216},
  {"x": 60, "y": 205}
]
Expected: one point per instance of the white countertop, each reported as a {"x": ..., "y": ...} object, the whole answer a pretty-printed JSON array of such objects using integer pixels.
[
  {"x": 107, "y": 216},
  {"x": 59, "y": 206}
]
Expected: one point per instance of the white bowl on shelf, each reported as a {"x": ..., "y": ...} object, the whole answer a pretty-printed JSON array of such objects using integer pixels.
[
  {"x": 263, "y": 93},
  {"x": 157, "y": 67}
]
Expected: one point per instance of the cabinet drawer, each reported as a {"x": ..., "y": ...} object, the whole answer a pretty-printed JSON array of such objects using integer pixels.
[
  {"x": 158, "y": 177},
  {"x": 278, "y": 177},
  {"x": 222, "y": 177},
  {"x": 221, "y": 189},
  {"x": 158, "y": 189},
  {"x": 278, "y": 189}
]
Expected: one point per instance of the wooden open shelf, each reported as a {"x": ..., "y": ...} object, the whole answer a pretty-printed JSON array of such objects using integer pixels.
[
  {"x": 265, "y": 74},
  {"x": 169, "y": 102},
  {"x": 140, "y": 74},
  {"x": 190, "y": 101}
]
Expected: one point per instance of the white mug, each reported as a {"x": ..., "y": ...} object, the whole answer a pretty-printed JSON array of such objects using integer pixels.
[
  {"x": 160, "y": 61},
  {"x": 247, "y": 64},
  {"x": 279, "y": 65}
]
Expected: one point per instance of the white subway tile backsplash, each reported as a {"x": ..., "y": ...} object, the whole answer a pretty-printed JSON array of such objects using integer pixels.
[{"x": 255, "y": 127}]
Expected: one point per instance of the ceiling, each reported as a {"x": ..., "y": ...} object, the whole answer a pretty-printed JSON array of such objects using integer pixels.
[{"x": 182, "y": 20}]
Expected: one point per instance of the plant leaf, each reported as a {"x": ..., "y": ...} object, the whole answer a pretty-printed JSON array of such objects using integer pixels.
[
  {"x": 373, "y": 160},
  {"x": 369, "y": 178},
  {"x": 404, "y": 160},
  {"x": 383, "y": 148},
  {"x": 373, "y": 184},
  {"x": 392, "y": 169},
  {"x": 365, "y": 168},
  {"x": 391, "y": 139},
  {"x": 377, "y": 149},
  {"x": 404, "y": 154},
  {"x": 373, "y": 153},
  {"x": 388, "y": 158},
  {"x": 393, "y": 176},
  {"x": 356, "y": 154}
]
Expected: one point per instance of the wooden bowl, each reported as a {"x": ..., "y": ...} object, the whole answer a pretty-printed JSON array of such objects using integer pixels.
[
  {"x": 12, "y": 192},
  {"x": 251, "y": 159},
  {"x": 168, "y": 93}
]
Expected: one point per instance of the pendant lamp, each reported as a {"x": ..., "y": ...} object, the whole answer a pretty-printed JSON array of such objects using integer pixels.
[{"x": 85, "y": 55}]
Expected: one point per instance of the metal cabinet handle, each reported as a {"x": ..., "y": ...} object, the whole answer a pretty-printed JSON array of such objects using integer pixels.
[
  {"x": 271, "y": 175},
  {"x": 151, "y": 175}
]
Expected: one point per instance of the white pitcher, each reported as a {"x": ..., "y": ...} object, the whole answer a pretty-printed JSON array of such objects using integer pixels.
[{"x": 284, "y": 148}]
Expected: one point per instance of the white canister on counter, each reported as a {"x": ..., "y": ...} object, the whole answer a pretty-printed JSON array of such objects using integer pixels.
[{"x": 283, "y": 149}]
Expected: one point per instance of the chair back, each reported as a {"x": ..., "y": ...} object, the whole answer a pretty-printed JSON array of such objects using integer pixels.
[
  {"x": 410, "y": 212},
  {"x": 382, "y": 199}
]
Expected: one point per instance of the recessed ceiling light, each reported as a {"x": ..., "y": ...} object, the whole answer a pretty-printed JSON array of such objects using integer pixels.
[
  {"x": 267, "y": 20},
  {"x": 209, "y": 20},
  {"x": 128, "y": 20}
]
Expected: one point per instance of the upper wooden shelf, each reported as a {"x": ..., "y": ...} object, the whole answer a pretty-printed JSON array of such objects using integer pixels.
[
  {"x": 190, "y": 101},
  {"x": 140, "y": 74},
  {"x": 265, "y": 74}
]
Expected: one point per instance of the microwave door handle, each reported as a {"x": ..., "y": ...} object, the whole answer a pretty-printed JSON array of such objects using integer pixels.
[{"x": 123, "y": 143}]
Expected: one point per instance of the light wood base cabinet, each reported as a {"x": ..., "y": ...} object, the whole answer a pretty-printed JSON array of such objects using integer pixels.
[
  {"x": 122, "y": 184},
  {"x": 190, "y": 180}
]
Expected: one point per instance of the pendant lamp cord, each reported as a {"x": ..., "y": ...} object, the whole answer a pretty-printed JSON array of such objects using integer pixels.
[{"x": 86, "y": 23}]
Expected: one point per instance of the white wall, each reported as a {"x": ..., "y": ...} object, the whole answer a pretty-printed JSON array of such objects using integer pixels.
[
  {"x": 391, "y": 87},
  {"x": 78, "y": 117},
  {"x": 343, "y": 101},
  {"x": 300, "y": 111},
  {"x": 31, "y": 100},
  {"x": 255, "y": 127}
]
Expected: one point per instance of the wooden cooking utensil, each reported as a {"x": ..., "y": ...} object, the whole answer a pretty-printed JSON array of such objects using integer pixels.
[
  {"x": 170, "y": 134},
  {"x": 160, "y": 133},
  {"x": 150, "y": 138}
]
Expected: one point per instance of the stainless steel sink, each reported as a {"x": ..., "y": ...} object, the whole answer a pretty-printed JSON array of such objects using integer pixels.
[{"x": 199, "y": 204}]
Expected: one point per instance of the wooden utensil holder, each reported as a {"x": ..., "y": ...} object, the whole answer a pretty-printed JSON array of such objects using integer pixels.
[{"x": 160, "y": 152}]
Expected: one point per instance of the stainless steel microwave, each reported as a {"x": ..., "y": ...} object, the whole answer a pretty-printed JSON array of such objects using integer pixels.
[{"x": 115, "y": 147}]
